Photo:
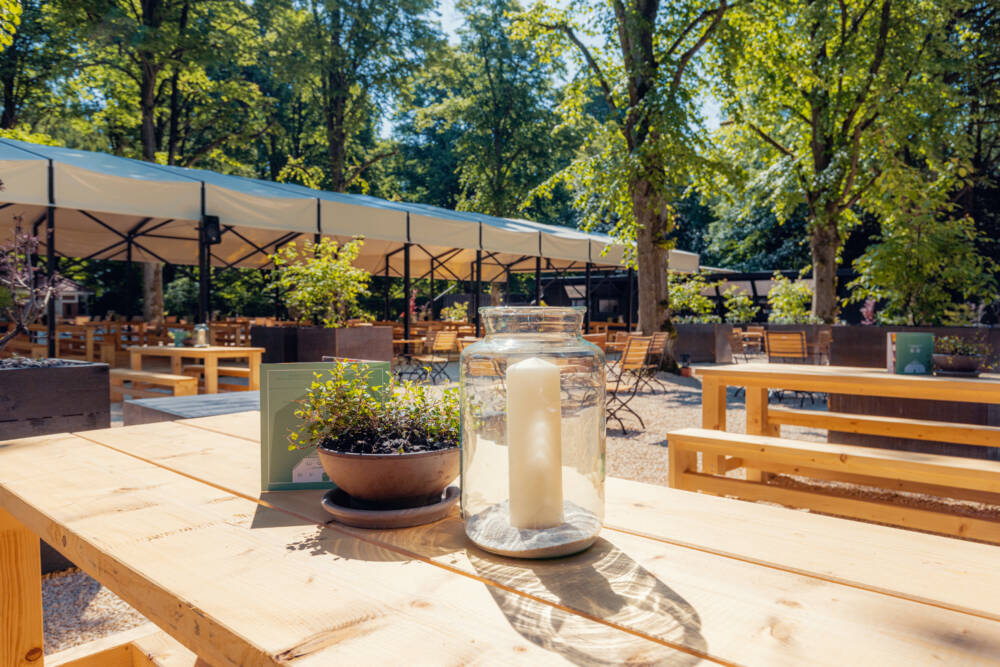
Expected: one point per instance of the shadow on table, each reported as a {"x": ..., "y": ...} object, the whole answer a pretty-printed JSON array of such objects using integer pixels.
[
  {"x": 602, "y": 582},
  {"x": 431, "y": 540}
]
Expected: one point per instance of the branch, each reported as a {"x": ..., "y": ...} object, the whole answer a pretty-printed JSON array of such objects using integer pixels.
[
  {"x": 358, "y": 170},
  {"x": 189, "y": 160},
  {"x": 883, "y": 35},
  {"x": 591, "y": 62},
  {"x": 766, "y": 137},
  {"x": 689, "y": 54}
]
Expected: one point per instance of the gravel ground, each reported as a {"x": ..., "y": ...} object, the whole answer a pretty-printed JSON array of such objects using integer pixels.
[{"x": 78, "y": 609}]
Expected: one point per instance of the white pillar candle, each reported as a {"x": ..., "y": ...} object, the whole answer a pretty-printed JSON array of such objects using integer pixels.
[{"x": 534, "y": 444}]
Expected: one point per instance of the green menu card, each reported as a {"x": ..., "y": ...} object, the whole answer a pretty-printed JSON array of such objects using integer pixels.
[
  {"x": 909, "y": 353},
  {"x": 282, "y": 387}
]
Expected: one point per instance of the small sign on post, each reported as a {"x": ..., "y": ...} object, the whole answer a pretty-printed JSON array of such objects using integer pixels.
[{"x": 909, "y": 353}]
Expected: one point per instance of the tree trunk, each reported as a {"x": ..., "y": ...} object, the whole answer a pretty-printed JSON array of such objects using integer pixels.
[
  {"x": 152, "y": 294},
  {"x": 825, "y": 241},
  {"x": 654, "y": 296},
  {"x": 147, "y": 107}
]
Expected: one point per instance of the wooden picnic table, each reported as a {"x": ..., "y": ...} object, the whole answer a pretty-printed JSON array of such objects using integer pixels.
[
  {"x": 170, "y": 517},
  {"x": 758, "y": 378},
  {"x": 209, "y": 356}
]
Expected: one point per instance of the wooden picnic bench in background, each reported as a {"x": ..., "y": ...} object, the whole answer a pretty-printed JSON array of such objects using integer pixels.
[
  {"x": 140, "y": 382},
  {"x": 762, "y": 452},
  {"x": 170, "y": 517}
]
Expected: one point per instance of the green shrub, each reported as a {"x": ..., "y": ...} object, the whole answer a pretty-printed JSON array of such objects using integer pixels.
[
  {"x": 687, "y": 301},
  {"x": 320, "y": 282},
  {"x": 457, "y": 312},
  {"x": 739, "y": 306},
  {"x": 790, "y": 302}
]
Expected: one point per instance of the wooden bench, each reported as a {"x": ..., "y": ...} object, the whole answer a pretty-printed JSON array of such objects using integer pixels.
[
  {"x": 225, "y": 370},
  {"x": 143, "y": 646},
  {"x": 23, "y": 346},
  {"x": 182, "y": 385},
  {"x": 944, "y": 476}
]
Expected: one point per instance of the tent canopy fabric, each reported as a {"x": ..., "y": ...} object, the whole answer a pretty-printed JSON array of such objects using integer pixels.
[{"x": 109, "y": 207}]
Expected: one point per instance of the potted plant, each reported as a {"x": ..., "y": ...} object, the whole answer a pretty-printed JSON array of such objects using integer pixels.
[
  {"x": 322, "y": 287},
  {"x": 956, "y": 356},
  {"x": 390, "y": 448}
]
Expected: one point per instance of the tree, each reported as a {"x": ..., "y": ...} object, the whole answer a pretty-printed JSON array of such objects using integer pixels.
[
  {"x": 819, "y": 95},
  {"x": 10, "y": 18},
  {"x": 360, "y": 54},
  {"x": 30, "y": 62},
  {"x": 499, "y": 95},
  {"x": 925, "y": 262},
  {"x": 639, "y": 155}
]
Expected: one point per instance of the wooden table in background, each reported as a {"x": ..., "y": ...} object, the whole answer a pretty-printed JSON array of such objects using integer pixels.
[
  {"x": 209, "y": 356},
  {"x": 169, "y": 516}
]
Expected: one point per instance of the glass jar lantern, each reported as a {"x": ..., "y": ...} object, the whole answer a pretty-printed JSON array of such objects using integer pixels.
[{"x": 533, "y": 435}]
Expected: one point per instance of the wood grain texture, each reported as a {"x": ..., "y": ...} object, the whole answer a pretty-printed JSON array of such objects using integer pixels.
[
  {"x": 21, "y": 639},
  {"x": 707, "y": 582},
  {"x": 765, "y": 452},
  {"x": 242, "y": 584},
  {"x": 918, "y": 429}
]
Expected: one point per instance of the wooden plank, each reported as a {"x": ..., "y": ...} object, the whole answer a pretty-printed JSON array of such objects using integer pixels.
[
  {"x": 161, "y": 650},
  {"x": 862, "y": 381},
  {"x": 243, "y": 584},
  {"x": 728, "y": 627},
  {"x": 847, "y": 552},
  {"x": 886, "y": 483},
  {"x": 21, "y": 639},
  {"x": 114, "y": 650},
  {"x": 977, "y": 474},
  {"x": 931, "y": 569},
  {"x": 869, "y": 510},
  {"x": 897, "y": 427}
]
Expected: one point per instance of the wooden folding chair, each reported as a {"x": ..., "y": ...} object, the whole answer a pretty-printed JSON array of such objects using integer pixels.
[
  {"x": 624, "y": 384},
  {"x": 435, "y": 363},
  {"x": 654, "y": 358}
]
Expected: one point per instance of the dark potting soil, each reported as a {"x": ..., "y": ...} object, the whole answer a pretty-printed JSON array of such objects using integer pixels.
[
  {"x": 378, "y": 442},
  {"x": 24, "y": 362}
]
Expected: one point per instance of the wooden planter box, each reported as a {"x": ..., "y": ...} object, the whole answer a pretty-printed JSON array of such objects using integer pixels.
[
  {"x": 292, "y": 344},
  {"x": 703, "y": 343},
  {"x": 41, "y": 401}
]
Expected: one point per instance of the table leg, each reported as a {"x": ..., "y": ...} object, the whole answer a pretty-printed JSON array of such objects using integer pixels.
[
  {"x": 135, "y": 360},
  {"x": 177, "y": 365},
  {"x": 713, "y": 416},
  {"x": 211, "y": 375},
  {"x": 21, "y": 638},
  {"x": 757, "y": 424},
  {"x": 255, "y": 371}
]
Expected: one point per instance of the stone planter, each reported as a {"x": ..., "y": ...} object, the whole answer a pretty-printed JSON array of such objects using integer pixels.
[
  {"x": 60, "y": 399},
  {"x": 292, "y": 344},
  {"x": 703, "y": 343}
]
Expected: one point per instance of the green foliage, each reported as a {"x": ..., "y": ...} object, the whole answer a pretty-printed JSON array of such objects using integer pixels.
[
  {"x": 10, "y": 18},
  {"x": 739, "y": 306},
  {"x": 180, "y": 297},
  {"x": 925, "y": 263},
  {"x": 320, "y": 282},
  {"x": 789, "y": 301},
  {"x": 819, "y": 97},
  {"x": 340, "y": 405},
  {"x": 457, "y": 312},
  {"x": 957, "y": 346},
  {"x": 688, "y": 300}
]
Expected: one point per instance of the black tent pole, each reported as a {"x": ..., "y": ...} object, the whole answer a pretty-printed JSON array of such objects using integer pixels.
[{"x": 50, "y": 262}]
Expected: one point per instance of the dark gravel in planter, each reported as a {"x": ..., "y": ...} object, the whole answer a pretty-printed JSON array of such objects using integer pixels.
[{"x": 24, "y": 362}]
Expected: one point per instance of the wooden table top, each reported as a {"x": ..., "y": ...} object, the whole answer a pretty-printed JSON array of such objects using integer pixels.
[
  {"x": 170, "y": 350},
  {"x": 170, "y": 517},
  {"x": 854, "y": 380}
]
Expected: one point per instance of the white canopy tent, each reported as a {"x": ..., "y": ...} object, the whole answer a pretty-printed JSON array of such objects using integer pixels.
[{"x": 99, "y": 206}]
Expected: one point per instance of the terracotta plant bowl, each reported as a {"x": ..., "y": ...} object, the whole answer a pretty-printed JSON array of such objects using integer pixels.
[
  {"x": 958, "y": 364},
  {"x": 392, "y": 481}
]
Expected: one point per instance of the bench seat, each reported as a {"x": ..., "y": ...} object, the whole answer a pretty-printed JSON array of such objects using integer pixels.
[
  {"x": 894, "y": 470},
  {"x": 197, "y": 370},
  {"x": 181, "y": 385}
]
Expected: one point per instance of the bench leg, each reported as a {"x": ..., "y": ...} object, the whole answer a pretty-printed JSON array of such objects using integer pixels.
[
  {"x": 21, "y": 639},
  {"x": 758, "y": 424},
  {"x": 680, "y": 460}
]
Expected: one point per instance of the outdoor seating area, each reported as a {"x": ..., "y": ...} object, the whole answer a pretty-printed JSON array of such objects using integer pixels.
[{"x": 499, "y": 333}]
